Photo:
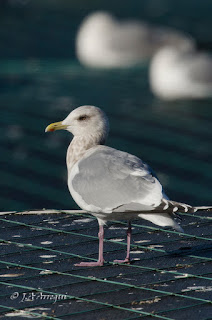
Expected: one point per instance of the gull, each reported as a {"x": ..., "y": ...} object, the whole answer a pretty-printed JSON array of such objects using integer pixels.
[
  {"x": 179, "y": 73},
  {"x": 103, "y": 41},
  {"x": 112, "y": 184}
]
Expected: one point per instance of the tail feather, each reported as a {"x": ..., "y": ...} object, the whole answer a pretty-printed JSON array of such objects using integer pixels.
[
  {"x": 174, "y": 207},
  {"x": 162, "y": 215},
  {"x": 202, "y": 208}
]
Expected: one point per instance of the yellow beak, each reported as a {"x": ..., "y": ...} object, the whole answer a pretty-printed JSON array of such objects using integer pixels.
[{"x": 55, "y": 126}]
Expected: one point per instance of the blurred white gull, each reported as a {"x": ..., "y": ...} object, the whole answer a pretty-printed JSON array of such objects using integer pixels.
[
  {"x": 112, "y": 184},
  {"x": 103, "y": 41},
  {"x": 178, "y": 73}
]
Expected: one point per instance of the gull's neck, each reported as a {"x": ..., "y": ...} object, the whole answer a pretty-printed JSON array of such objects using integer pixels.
[{"x": 78, "y": 146}]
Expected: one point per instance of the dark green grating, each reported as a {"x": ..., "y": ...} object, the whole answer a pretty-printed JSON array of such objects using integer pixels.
[{"x": 170, "y": 277}]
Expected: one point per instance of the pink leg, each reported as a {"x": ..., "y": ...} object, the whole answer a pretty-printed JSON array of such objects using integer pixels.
[
  {"x": 127, "y": 259},
  {"x": 100, "y": 261}
]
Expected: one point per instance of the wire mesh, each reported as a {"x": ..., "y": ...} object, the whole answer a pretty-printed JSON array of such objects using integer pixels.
[{"x": 169, "y": 278}]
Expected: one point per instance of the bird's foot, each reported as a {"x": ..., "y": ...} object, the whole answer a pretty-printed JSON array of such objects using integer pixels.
[
  {"x": 126, "y": 261},
  {"x": 90, "y": 264}
]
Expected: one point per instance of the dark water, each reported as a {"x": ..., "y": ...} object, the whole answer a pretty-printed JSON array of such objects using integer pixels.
[{"x": 41, "y": 82}]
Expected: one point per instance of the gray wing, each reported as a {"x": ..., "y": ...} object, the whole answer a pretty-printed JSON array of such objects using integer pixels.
[
  {"x": 108, "y": 179},
  {"x": 130, "y": 35},
  {"x": 145, "y": 38},
  {"x": 199, "y": 67},
  {"x": 136, "y": 38}
]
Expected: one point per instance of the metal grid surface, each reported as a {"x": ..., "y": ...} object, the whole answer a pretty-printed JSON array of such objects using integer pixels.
[{"x": 170, "y": 277}]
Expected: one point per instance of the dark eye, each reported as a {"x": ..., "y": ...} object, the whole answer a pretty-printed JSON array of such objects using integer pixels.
[{"x": 81, "y": 118}]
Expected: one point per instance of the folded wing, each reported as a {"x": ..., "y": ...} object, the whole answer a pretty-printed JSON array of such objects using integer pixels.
[{"x": 109, "y": 179}]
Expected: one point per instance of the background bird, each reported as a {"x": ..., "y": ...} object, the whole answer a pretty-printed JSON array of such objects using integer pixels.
[
  {"x": 106, "y": 42},
  {"x": 179, "y": 73}
]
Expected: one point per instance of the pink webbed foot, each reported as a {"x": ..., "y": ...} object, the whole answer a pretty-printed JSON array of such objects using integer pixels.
[
  {"x": 90, "y": 264},
  {"x": 127, "y": 261}
]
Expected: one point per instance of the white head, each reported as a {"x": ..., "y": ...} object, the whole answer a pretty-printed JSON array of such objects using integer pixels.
[
  {"x": 166, "y": 56},
  {"x": 168, "y": 73},
  {"x": 99, "y": 20},
  {"x": 84, "y": 121},
  {"x": 93, "y": 39}
]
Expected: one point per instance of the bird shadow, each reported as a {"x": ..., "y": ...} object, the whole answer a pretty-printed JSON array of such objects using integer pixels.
[{"x": 204, "y": 251}]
